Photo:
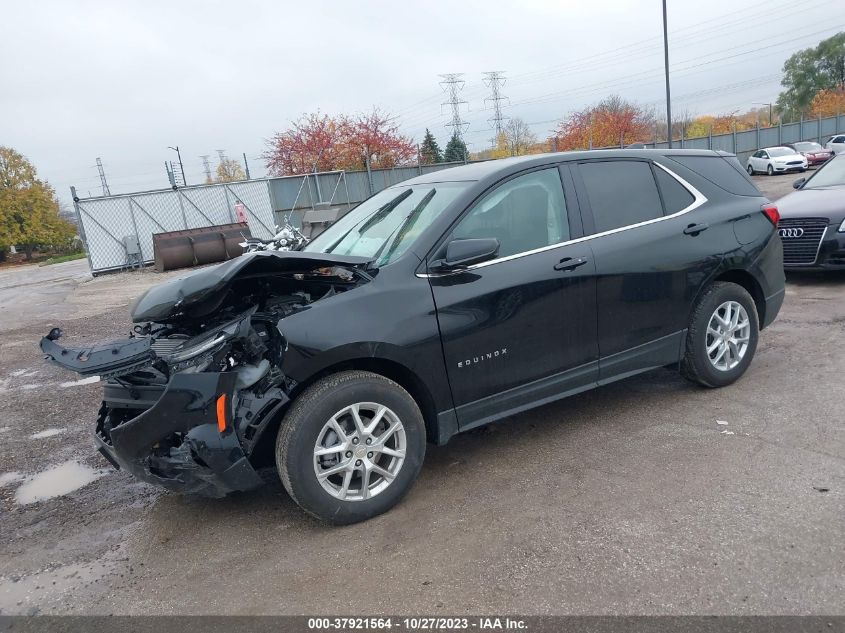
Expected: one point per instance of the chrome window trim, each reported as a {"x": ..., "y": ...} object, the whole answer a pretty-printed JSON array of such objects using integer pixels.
[{"x": 699, "y": 199}]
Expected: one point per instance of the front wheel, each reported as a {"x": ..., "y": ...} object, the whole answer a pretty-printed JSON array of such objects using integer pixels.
[
  {"x": 770, "y": 170},
  {"x": 350, "y": 447},
  {"x": 722, "y": 336}
]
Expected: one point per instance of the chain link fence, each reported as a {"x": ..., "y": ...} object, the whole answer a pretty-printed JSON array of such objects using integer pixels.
[{"x": 111, "y": 226}]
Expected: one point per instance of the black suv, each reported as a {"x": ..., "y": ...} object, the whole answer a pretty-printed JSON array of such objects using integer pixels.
[{"x": 438, "y": 305}]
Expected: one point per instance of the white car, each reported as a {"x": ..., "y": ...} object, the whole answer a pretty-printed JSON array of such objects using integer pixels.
[
  {"x": 776, "y": 160},
  {"x": 836, "y": 144}
]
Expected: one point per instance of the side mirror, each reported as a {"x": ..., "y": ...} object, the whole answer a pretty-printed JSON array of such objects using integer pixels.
[
  {"x": 799, "y": 183},
  {"x": 462, "y": 253}
]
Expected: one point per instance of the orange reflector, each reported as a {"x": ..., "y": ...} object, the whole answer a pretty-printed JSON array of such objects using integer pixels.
[{"x": 221, "y": 413}]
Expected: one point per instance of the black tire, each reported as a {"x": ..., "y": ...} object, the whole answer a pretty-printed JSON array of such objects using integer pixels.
[
  {"x": 696, "y": 365},
  {"x": 770, "y": 170},
  {"x": 750, "y": 170},
  {"x": 304, "y": 422}
]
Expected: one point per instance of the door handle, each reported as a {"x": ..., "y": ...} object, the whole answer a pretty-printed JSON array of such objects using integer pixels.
[
  {"x": 695, "y": 229},
  {"x": 570, "y": 263}
]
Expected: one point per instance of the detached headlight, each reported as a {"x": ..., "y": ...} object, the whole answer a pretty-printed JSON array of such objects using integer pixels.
[{"x": 842, "y": 227}]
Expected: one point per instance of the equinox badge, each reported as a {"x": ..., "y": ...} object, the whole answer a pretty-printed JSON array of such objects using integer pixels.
[{"x": 475, "y": 360}]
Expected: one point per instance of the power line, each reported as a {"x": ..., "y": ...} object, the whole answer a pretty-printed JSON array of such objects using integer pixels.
[
  {"x": 494, "y": 80},
  {"x": 452, "y": 84}
]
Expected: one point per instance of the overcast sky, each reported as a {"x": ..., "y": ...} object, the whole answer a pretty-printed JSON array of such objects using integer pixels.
[{"x": 123, "y": 80}]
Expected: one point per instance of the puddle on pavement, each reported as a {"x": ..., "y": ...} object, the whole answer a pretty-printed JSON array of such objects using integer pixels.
[
  {"x": 46, "y": 433},
  {"x": 56, "y": 481},
  {"x": 84, "y": 381},
  {"x": 10, "y": 478}
]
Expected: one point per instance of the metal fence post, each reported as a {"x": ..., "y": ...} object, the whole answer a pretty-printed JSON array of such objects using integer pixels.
[
  {"x": 228, "y": 205},
  {"x": 758, "y": 134},
  {"x": 134, "y": 226},
  {"x": 733, "y": 137},
  {"x": 780, "y": 132},
  {"x": 801, "y": 127},
  {"x": 82, "y": 235},
  {"x": 369, "y": 174},
  {"x": 819, "y": 128},
  {"x": 710, "y": 137}
]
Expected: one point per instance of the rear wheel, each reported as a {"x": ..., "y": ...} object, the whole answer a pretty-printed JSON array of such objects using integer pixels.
[
  {"x": 770, "y": 170},
  {"x": 750, "y": 170},
  {"x": 350, "y": 447},
  {"x": 722, "y": 336}
]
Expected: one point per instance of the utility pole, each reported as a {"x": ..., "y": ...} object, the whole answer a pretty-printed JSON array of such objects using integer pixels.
[
  {"x": 181, "y": 167},
  {"x": 103, "y": 183},
  {"x": 495, "y": 80},
  {"x": 770, "y": 110},
  {"x": 452, "y": 84},
  {"x": 246, "y": 167},
  {"x": 207, "y": 168},
  {"x": 666, "y": 63}
]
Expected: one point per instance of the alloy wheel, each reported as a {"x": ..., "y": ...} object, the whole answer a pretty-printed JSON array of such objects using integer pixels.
[
  {"x": 728, "y": 335},
  {"x": 359, "y": 451}
]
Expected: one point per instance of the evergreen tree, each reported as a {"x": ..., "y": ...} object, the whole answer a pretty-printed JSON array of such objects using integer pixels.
[
  {"x": 456, "y": 149},
  {"x": 429, "y": 150}
]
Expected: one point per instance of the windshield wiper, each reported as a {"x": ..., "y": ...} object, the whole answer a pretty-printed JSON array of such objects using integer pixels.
[
  {"x": 382, "y": 213},
  {"x": 378, "y": 216},
  {"x": 405, "y": 226}
]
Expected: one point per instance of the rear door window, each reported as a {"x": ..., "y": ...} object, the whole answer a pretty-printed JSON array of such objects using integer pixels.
[{"x": 620, "y": 192}]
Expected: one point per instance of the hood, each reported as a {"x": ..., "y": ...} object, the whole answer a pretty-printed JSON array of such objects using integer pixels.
[
  {"x": 170, "y": 298},
  {"x": 828, "y": 202}
]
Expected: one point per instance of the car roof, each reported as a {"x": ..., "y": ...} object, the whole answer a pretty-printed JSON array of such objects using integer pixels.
[
  {"x": 486, "y": 169},
  {"x": 767, "y": 149}
]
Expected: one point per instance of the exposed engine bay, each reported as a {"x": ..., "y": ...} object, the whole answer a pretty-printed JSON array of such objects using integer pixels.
[{"x": 188, "y": 396}]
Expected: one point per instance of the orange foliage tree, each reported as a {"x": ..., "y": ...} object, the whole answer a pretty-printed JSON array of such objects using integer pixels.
[
  {"x": 322, "y": 142},
  {"x": 828, "y": 102},
  {"x": 611, "y": 122}
]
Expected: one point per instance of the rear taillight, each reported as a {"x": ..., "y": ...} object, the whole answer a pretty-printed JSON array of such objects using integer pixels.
[{"x": 771, "y": 212}]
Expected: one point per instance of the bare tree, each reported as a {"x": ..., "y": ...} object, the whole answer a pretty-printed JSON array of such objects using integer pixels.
[{"x": 518, "y": 137}]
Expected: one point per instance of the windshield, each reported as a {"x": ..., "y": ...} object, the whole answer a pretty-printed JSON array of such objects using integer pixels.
[
  {"x": 808, "y": 147},
  {"x": 830, "y": 175},
  {"x": 384, "y": 226},
  {"x": 780, "y": 151}
]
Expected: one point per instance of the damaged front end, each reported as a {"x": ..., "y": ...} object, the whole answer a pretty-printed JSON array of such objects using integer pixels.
[{"x": 190, "y": 396}]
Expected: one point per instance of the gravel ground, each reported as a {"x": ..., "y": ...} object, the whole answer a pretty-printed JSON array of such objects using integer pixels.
[{"x": 631, "y": 499}]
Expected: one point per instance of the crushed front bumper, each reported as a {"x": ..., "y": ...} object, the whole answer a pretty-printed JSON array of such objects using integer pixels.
[{"x": 177, "y": 442}]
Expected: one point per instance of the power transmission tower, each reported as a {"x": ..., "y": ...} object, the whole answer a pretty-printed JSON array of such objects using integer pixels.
[
  {"x": 495, "y": 80},
  {"x": 207, "y": 167},
  {"x": 452, "y": 84},
  {"x": 221, "y": 153},
  {"x": 103, "y": 182}
]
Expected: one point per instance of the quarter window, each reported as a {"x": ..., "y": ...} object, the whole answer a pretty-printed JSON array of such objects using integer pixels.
[
  {"x": 675, "y": 195},
  {"x": 524, "y": 213},
  {"x": 621, "y": 193}
]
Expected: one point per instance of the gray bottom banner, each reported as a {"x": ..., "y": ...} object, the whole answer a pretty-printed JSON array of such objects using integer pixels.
[{"x": 532, "y": 624}]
